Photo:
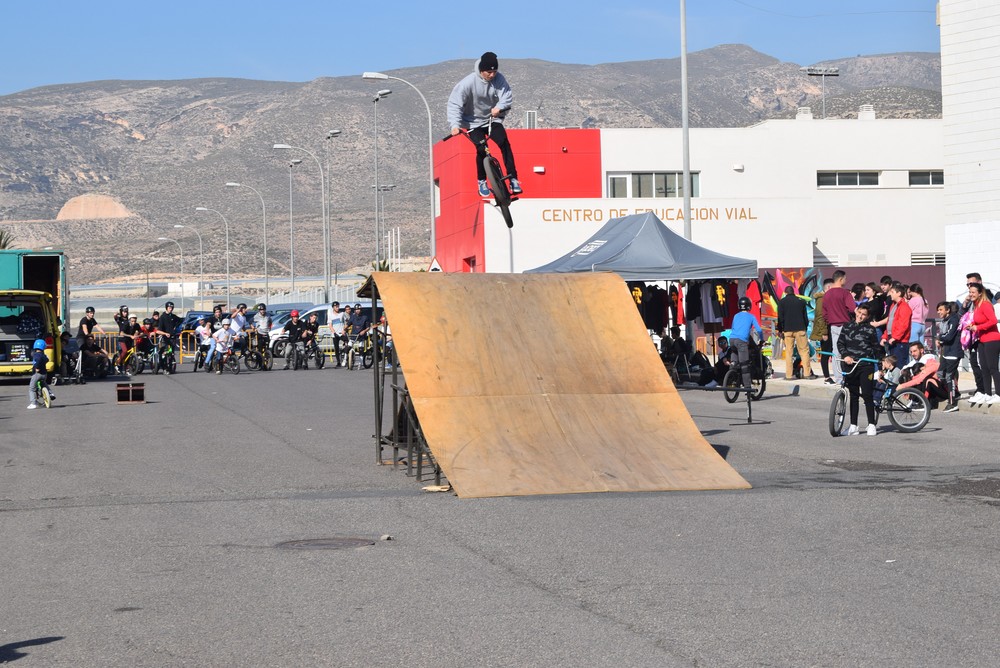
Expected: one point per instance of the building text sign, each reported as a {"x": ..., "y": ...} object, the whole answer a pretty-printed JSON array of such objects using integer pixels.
[{"x": 580, "y": 214}]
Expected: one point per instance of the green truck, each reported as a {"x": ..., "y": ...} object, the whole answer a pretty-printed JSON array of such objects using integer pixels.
[{"x": 34, "y": 304}]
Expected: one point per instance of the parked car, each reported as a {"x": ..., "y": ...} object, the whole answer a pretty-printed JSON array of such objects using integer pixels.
[{"x": 190, "y": 320}]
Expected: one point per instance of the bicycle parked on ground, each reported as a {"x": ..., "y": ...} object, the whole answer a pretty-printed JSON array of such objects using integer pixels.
[
  {"x": 908, "y": 409},
  {"x": 497, "y": 180}
]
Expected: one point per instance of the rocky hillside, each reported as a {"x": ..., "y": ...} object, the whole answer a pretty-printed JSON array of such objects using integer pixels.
[{"x": 163, "y": 147}]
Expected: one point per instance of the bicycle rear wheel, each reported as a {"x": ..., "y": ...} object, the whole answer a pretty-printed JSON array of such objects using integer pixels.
[
  {"x": 909, "y": 411},
  {"x": 838, "y": 413},
  {"x": 732, "y": 379}
]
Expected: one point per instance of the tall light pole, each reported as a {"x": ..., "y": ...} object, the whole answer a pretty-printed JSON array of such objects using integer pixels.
[
  {"x": 328, "y": 228},
  {"x": 181, "y": 250},
  {"x": 291, "y": 227},
  {"x": 322, "y": 184},
  {"x": 685, "y": 130},
  {"x": 381, "y": 191},
  {"x": 201, "y": 257},
  {"x": 822, "y": 73},
  {"x": 430, "y": 148},
  {"x": 228, "y": 282},
  {"x": 378, "y": 96},
  {"x": 263, "y": 208}
]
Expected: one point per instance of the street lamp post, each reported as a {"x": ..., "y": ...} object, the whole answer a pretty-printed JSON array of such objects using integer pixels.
[
  {"x": 381, "y": 191},
  {"x": 201, "y": 257},
  {"x": 378, "y": 96},
  {"x": 263, "y": 207},
  {"x": 181, "y": 250},
  {"x": 228, "y": 281},
  {"x": 430, "y": 147},
  {"x": 328, "y": 227},
  {"x": 322, "y": 184},
  {"x": 291, "y": 227},
  {"x": 822, "y": 73}
]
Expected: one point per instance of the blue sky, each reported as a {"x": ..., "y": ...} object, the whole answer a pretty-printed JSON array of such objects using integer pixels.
[{"x": 61, "y": 41}]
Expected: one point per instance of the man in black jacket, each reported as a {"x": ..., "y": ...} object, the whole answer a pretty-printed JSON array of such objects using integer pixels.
[{"x": 793, "y": 321}]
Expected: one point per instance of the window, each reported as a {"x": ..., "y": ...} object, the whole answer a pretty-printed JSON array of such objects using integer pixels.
[
  {"x": 652, "y": 184},
  {"x": 930, "y": 178},
  {"x": 846, "y": 179},
  {"x": 617, "y": 186}
]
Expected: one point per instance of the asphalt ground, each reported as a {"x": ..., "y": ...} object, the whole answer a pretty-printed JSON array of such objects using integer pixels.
[{"x": 145, "y": 535}]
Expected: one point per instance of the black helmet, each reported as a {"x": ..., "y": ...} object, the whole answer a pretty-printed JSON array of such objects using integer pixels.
[
  {"x": 123, "y": 307},
  {"x": 240, "y": 306},
  {"x": 147, "y": 321},
  {"x": 745, "y": 303},
  {"x": 168, "y": 305},
  {"x": 261, "y": 305}
]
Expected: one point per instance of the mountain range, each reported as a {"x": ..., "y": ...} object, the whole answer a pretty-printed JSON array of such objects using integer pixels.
[{"x": 161, "y": 148}]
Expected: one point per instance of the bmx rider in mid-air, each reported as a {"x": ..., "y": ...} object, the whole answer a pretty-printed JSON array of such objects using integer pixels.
[{"x": 483, "y": 95}]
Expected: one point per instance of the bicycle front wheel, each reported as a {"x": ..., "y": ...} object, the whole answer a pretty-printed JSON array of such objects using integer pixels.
[
  {"x": 494, "y": 177},
  {"x": 43, "y": 394},
  {"x": 320, "y": 358},
  {"x": 253, "y": 360},
  {"x": 233, "y": 364},
  {"x": 909, "y": 411},
  {"x": 132, "y": 365},
  {"x": 267, "y": 361},
  {"x": 733, "y": 379},
  {"x": 838, "y": 413}
]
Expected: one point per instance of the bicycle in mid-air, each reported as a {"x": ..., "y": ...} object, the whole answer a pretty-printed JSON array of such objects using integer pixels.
[
  {"x": 497, "y": 180},
  {"x": 908, "y": 409}
]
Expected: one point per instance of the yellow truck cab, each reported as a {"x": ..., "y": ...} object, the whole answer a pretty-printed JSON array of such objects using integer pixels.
[{"x": 25, "y": 316}]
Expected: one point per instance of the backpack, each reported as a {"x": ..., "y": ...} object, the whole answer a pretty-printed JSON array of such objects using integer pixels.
[{"x": 968, "y": 337}]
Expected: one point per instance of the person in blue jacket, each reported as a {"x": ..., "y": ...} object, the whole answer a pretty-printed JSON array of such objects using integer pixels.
[{"x": 744, "y": 323}]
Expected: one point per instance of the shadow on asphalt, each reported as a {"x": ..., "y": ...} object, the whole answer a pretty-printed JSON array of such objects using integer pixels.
[{"x": 11, "y": 651}]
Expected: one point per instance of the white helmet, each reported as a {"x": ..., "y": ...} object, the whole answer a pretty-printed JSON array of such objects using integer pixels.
[{"x": 226, "y": 321}]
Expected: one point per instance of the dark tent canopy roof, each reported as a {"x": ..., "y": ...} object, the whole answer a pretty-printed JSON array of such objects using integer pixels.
[{"x": 641, "y": 248}]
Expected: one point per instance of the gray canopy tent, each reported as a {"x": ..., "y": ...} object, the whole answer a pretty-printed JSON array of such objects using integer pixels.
[{"x": 641, "y": 248}]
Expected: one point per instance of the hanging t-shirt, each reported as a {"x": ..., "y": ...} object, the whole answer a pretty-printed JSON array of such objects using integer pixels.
[
  {"x": 753, "y": 293},
  {"x": 692, "y": 303},
  {"x": 713, "y": 299}
]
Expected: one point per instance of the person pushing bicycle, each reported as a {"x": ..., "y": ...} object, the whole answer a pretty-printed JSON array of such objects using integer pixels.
[
  {"x": 480, "y": 97},
  {"x": 858, "y": 341}
]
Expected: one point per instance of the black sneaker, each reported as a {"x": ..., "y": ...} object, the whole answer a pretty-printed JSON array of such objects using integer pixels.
[
  {"x": 951, "y": 408},
  {"x": 829, "y": 381}
]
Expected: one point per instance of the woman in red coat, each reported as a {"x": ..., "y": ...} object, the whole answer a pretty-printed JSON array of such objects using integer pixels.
[{"x": 984, "y": 323}]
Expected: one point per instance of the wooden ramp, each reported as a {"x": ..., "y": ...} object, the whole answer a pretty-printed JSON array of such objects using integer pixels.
[{"x": 543, "y": 384}]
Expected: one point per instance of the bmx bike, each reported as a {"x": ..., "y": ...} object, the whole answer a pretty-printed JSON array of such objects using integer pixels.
[
  {"x": 497, "y": 180},
  {"x": 908, "y": 409}
]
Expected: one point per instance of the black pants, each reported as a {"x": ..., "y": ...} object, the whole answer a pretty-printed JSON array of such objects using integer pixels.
[
  {"x": 499, "y": 137},
  {"x": 948, "y": 374},
  {"x": 977, "y": 373},
  {"x": 860, "y": 384},
  {"x": 825, "y": 346},
  {"x": 989, "y": 362}
]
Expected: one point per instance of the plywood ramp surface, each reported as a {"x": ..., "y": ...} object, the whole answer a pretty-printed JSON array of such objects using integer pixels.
[{"x": 543, "y": 384}]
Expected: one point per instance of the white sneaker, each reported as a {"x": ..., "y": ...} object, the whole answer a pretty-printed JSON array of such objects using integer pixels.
[
  {"x": 977, "y": 398},
  {"x": 995, "y": 399},
  {"x": 871, "y": 430},
  {"x": 851, "y": 431},
  {"x": 32, "y": 405}
]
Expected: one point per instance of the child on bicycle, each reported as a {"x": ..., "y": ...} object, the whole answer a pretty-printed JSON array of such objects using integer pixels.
[
  {"x": 859, "y": 340},
  {"x": 39, "y": 360},
  {"x": 887, "y": 379}
]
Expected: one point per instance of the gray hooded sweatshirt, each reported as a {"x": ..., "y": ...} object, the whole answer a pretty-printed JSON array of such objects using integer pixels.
[{"x": 473, "y": 97}]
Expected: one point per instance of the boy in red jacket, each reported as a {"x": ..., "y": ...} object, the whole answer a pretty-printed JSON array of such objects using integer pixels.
[{"x": 897, "y": 330}]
